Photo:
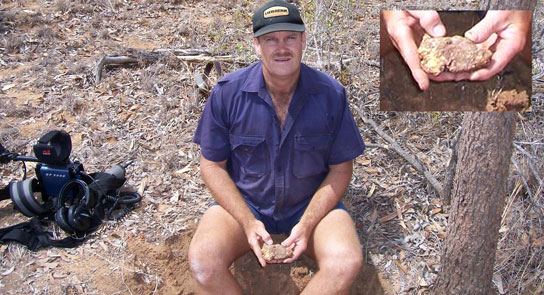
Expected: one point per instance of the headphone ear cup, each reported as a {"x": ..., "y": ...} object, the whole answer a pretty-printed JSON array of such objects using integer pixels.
[
  {"x": 70, "y": 216},
  {"x": 84, "y": 220},
  {"x": 80, "y": 221},
  {"x": 61, "y": 220}
]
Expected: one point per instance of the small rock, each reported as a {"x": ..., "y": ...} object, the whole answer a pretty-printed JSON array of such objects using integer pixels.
[
  {"x": 451, "y": 54},
  {"x": 275, "y": 252}
]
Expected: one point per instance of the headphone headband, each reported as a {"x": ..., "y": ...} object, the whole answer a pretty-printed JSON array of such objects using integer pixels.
[{"x": 54, "y": 148}]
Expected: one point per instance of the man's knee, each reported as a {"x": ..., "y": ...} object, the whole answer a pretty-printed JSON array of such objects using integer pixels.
[
  {"x": 202, "y": 262},
  {"x": 344, "y": 264},
  {"x": 199, "y": 265}
]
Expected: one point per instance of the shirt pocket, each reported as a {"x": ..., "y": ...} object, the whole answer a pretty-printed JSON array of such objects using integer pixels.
[
  {"x": 249, "y": 154},
  {"x": 310, "y": 155}
]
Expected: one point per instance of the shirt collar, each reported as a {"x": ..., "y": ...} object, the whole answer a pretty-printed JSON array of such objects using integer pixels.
[
  {"x": 255, "y": 79},
  {"x": 311, "y": 83},
  {"x": 307, "y": 80}
]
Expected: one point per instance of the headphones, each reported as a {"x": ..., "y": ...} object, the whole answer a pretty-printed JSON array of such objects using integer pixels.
[
  {"x": 77, "y": 216},
  {"x": 22, "y": 194}
]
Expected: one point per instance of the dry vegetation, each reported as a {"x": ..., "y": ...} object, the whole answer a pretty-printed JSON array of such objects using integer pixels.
[{"x": 148, "y": 112}]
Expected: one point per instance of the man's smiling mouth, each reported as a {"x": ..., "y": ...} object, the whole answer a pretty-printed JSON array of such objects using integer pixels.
[{"x": 282, "y": 59}]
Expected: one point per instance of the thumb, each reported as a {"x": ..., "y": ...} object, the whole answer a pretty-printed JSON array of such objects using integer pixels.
[
  {"x": 287, "y": 242},
  {"x": 482, "y": 30},
  {"x": 430, "y": 21},
  {"x": 265, "y": 236}
]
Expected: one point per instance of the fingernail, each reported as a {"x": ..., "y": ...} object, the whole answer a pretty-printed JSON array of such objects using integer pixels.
[
  {"x": 470, "y": 35},
  {"x": 421, "y": 86},
  {"x": 439, "y": 30}
]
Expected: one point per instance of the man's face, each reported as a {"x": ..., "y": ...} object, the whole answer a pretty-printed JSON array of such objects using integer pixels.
[{"x": 281, "y": 52}]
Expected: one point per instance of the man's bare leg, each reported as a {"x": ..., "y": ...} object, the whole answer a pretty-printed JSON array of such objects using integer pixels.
[
  {"x": 218, "y": 241},
  {"x": 335, "y": 246}
]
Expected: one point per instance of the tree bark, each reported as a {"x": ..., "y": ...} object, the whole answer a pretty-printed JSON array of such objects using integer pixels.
[
  {"x": 479, "y": 193},
  {"x": 507, "y": 4}
]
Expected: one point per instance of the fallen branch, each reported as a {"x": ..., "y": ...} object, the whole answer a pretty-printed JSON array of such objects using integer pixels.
[
  {"x": 414, "y": 161},
  {"x": 109, "y": 60},
  {"x": 188, "y": 55}
]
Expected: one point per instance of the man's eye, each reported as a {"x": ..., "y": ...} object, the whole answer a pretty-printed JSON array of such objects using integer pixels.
[{"x": 291, "y": 38}]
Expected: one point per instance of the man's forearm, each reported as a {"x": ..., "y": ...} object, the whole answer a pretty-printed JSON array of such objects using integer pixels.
[
  {"x": 224, "y": 190},
  {"x": 328, "y": 194}
]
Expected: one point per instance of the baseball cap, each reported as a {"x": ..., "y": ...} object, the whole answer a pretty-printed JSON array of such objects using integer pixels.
[{"x": 276, "y": 16}]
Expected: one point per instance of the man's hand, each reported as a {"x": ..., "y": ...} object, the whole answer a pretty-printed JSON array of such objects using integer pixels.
[
  {"x": 403, "y": 28},
  {"x": 504, "y": 32},
  {"x": 256, "y": 236},
  {"x": 297, "y": 241}
]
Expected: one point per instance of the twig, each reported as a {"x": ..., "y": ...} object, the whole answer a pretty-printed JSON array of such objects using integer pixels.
[
  {"x": 206, "y": 58},
  {"x": 123, "y": 278},
  {"x": 377, "y": 145},
  {"x": 157, "y": 281},
  {"x": 538, "y": 40},
  {"x": 187, "y": 51},
  {"x": 536, "y": 142},
  {"x": 111, "y": 6},
  {"x": 366, "y": 95},
  {"x": 531, "y": 167},
  {"x": 414, "y": 161},
  {"x": 527, "y": 188},
  {"x": 117, "y": 264}
]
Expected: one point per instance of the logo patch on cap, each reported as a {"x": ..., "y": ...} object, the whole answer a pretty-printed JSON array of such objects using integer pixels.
[{"x": 275, "y": 11}]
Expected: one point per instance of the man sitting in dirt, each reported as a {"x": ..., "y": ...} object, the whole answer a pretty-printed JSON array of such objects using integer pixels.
[{"x": 277, "y": 141}]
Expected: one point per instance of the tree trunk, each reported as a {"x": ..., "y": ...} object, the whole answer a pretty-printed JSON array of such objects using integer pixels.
[
  {"x": 507, "y": 4},
  {"x": 484, "y": 151},
  {"x": 479, "y": 193}
]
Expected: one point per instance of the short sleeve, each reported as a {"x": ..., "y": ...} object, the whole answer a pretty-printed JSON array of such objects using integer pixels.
[
  {"x": 347, "y": 141},
  {"x": 212, "y": 131}
]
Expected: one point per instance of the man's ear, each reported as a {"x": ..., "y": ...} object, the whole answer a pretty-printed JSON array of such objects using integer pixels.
[
  {"x": 303, "y": 40},
  {"x": 257, "y": 46}
]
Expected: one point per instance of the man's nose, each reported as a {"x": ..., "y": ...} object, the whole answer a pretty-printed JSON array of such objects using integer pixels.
[
  {"x": 283, "y": 42},
  {"x": 282, "y": 45}
]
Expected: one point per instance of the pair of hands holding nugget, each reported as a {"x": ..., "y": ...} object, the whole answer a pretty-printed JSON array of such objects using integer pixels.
[
  {"x": 503, "y": 32},
  {"x": 286, "y": 252}
]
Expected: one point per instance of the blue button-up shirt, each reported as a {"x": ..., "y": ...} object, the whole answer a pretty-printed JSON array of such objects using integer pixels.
[{"x": 278, "y": 171}]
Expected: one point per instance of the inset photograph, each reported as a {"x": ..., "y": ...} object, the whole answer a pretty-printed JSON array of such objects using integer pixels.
[{"x": 455, "y": 60}]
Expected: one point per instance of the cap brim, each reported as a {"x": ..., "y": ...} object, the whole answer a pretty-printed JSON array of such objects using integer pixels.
[{"x": 279, "y": 27}]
